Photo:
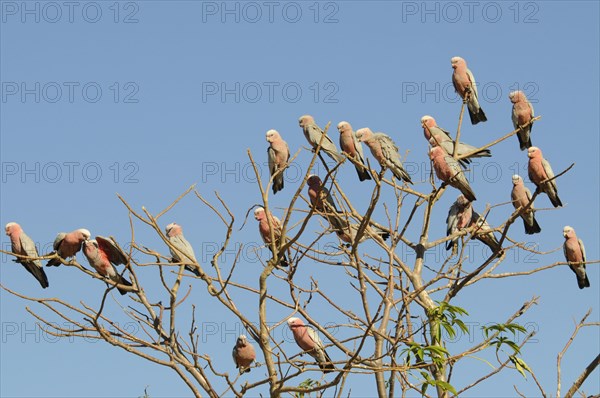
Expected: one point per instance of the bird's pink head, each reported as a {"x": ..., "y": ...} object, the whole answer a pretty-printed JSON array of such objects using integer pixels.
[
  {"x": 294, "y": 323},
  {"x": 259, "y": 214},
  {"x": 305, "y": 120},
  {"x": 457, "y": 61},
  {"x": 173, "y": 229},
  {"x": 568, "y": 232},
  {"x": 272, "y": 135},
  {"x": 90, "y": 245},
  {"x": 461, "y": 200},
  {"x": 516, "y": 96},
  {"x": 11, "y": 228},
  {"x": 364, "y": 134},
  {"x": 534, "y": 152},
  {"x": 516, "y": 179},
  {"x": 427, "y": 120},
  {"x": 343, "y": 127},
  {"x": 84, "y": 234}
]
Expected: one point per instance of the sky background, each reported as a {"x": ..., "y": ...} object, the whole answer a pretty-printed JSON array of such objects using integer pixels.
[{"x": 146, "y": 98}]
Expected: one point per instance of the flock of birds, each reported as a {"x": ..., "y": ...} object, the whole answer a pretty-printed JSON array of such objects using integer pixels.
[{"x": 448, "y": 159}]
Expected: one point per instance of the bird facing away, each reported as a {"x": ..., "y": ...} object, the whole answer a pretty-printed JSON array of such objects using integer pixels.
[
  {"x": 184, "y": 252},
  {"x": 103, "y": 255},
  {"x": 521, "y": 196},
  {"x": 278, "y": 154},
  {"x": 575, "y": 256},
  {"x": 448, "y": 170},
  {"x": 464, "y": 82},
  {"x": 483, "y": 232},
  {"x": 522, "y": 113},
  {"x": 308, "y": 339},
  {"x": 243, "y": 354},
  {"x": 264, "y": 228},
  {"x": 442, "y": 138},
  {"x": 353, "y": 148},
  {"x": 22, "y": 244},
  {"x": 66, "y": 245},
  {"x": 313, "y": 134},
  {"x": 539, "y": 171},
  {"x": 459, "y": 217},
  {"x": 385, "y": 151}
]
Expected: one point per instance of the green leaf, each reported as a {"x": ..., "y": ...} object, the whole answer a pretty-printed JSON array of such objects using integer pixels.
[{"x": 520, "y": 365}]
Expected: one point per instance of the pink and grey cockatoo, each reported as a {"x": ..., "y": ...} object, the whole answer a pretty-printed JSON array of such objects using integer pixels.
[
  {"x": 522, "y": 113},
  {"x": 322, "y": 201},
  {"x": 459, "y": 217},
  {"x": 308, "y": 339},
  {"x": 353, "y": 148},
  {"x": 103, "y": 254},
  {"x": 442, "y": 138},
  {"x": 385, "y": 151},
  {"x": 448, "y": 170},
  {"x": 243, "y": 354},
  {"x": 185, "y": 252},
  {"x": 264, "y": 229},
  {"x": 575, "y": 256},
  {"x": 278, "y": 154},
  {"x": 483, "y": 232},
  {"x": 521, "y": 196},
  {"x": 22, "y": 244},
  {"x": 313, "y": 134},
  {"x": 464, "y": 83},
  {"x": 68, "y": 244},
  {"x": 539, "y": 170}
]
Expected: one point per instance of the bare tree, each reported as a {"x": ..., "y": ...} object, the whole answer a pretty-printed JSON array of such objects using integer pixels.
[{"x": 397, "y": 323}]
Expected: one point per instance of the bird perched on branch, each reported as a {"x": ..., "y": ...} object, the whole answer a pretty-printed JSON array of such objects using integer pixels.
[
  {"x": 521, "y": 196},
  {"x": 66, "y": 245},
  {"x": 308, "y": 339},
  {"x": 264, "y": 228},
  {"x": 22, "y": 244},
  {"x": 522, "y": 113},
  {"x": 278, "y": 154},
  {"x": 313, "y": 134},
  {"x": 442, "y": 138},
  {"x": 183, "y": 252},
  {"x": 464, "y": 84},
  {"x": 385, "y": 151},
  {"x": 243, "y": 354},
  {"x": 353, "y": 148},
  {"x": 103, "y": 254},
  {"x": 575, "y": 256},
  {"x": 448, "y": 170},
  {"x": 459, "y": 217},
  {"x": 539, "y": 172}
]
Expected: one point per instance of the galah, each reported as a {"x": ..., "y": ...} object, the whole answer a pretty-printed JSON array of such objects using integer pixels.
[
  {"x": 22, "y": 244},
  {"x": 264, "y": 229},
  {"x": 522, "y": 113},
  {"x": 184, "y": 252},
  {"x": 443, "y": 139},
  {"x": 103, "y": 254},
  {"x": 347, "y": 232},
  {"x": 464, "y": 83},
  {"x": 385, "y": 151},
  {"x": 322, "y": 201},
  {"x": 308, "y": 339},
  {"x": 575, "y": 256},
  {"x": 459, "y": 217},
  {"x": 278, "y": 154},
  {"x": 353, "y": 148},
  {"x": 243, "y": 354},
  {"x": 539, "y": 170},
  {"x": 448, "y": 170},
  {"x": 313, "y": 134},
  {"x": 68, "y": 244},
  {"x": 521, "y": 196},
  {"x": 483, "y": 232}
]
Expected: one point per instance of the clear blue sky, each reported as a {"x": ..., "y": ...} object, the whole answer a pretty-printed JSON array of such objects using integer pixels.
[{"x": 146, "y": 98}]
